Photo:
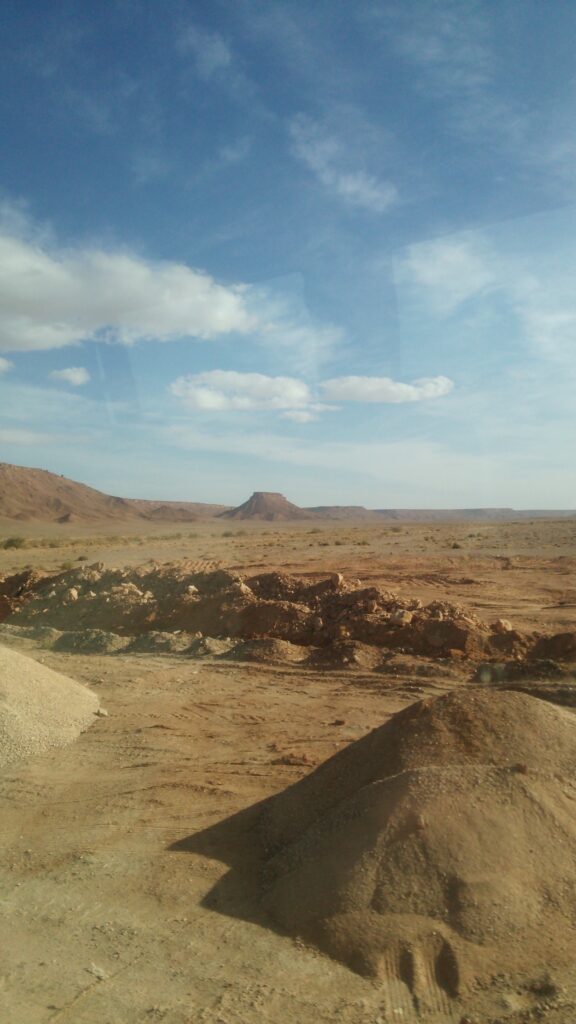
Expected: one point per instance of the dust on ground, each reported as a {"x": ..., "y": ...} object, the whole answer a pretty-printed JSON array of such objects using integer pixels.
[{"x": 130, "y": 860}]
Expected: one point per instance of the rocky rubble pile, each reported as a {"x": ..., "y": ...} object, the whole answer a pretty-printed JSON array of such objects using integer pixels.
[{"x": 330, "y": 615}]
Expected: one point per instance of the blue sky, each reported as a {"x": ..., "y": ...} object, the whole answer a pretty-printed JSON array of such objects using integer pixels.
[{"x": 326, "y": 249}]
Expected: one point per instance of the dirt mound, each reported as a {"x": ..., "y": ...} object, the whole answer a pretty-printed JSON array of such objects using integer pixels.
[
  {"x": 210, "y": 647},
  {"x": 90, "y": 641},
  {"x": 39, "y": 708},
  {"x": 437, "y": 850},
  {"x": 157, "y": 640},
  {"x": 268, "y": 506},
  {"x": 345, "y": 655},
  {"x": 269, "y": 650},
  {"x": 322, "y": 613}
]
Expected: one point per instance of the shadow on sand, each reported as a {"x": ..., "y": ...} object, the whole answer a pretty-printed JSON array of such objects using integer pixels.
[{"x": 235, "y": 841}]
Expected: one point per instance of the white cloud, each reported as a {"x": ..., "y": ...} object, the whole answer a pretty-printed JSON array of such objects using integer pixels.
[
  {"x": 219, "y": 390},
  {"x": 210, "y": 51},
  {"x": 50, "y": 299},
  {"x": 224, "y": 390},
  {"x": 75, "y": 375},
  {"x": 5, "y": 365},
  {"x": 448, "y": 270},
  {"x": 384, "y": 389},
  {"x": 324, "y": 155}
]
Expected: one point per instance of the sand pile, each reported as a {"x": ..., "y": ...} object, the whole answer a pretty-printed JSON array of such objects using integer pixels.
[
  {"x": 39, "y": 708},
  {"x": 439, "y": 849}
]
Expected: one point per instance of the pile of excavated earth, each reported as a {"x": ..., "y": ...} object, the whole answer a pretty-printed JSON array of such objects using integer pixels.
[
  {"x": 39, "y": 708},
  {"x": 437, "y": 851},
  {"x": 328, "y": 623}
]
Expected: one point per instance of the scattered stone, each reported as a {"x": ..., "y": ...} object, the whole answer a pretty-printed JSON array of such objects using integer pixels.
[
  {"x": 401, "y": 617},
  {"x": 502, "y": 626}
]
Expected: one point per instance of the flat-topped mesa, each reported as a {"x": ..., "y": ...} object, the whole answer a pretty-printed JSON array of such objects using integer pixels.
[{"x": 267, "y": 505}]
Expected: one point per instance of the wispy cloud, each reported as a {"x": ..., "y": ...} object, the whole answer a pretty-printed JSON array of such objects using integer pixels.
[
  {"x": 327, "y": 158},
  {"x": 149, "y": 167},
  {"x": 5, "y": 365},
  {"x": 405, "y": 473},
  {"x": 384, "y": 389},
  {"x": 216, "y": 63},
  {"x": 210, "y": 51},
  {"x": 74, "y": 375},
  {"x": 27, "y": 437},
  {"x": 449, "y": 270},
  {"x": 472, "y": 275},
  {"x": 462, "y": 62}
]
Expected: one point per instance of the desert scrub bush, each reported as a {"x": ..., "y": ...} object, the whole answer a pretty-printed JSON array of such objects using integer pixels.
[
  {"x": 14, "y": 542},
  {"x": 228, "y": 533},
  {"x": 66, "y": 565}
]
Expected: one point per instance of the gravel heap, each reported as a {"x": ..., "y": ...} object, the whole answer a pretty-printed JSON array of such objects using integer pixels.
[
  {"x": 39, "y": 708},
  {"x": 438, "y": 850}
]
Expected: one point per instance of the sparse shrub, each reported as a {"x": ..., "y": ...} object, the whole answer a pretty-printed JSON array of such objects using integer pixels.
[
  {"x": 362, "y": 543},
  {"x": 14, "y": 542},
  {"x": 315, "y": 530},
  {"x": 455, "y": 544},
  {"x": 66, "y": 565},
  {"x": 228, "y": 533},
  {"x": 82, "y": 558}
]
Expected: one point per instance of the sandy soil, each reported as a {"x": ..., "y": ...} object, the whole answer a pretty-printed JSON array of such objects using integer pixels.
[{"x": 107, "y": 868}]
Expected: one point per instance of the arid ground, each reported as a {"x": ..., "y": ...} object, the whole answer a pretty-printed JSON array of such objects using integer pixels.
[{"x": 129, "y": 889}]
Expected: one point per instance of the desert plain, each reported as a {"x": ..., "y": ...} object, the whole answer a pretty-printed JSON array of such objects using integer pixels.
[{"x": 130, "y": 860}]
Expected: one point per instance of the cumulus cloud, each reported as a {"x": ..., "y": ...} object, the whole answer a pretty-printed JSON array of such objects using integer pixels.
[
  {"x": 324, "y": 155},
  {"x": 50, "y": 299},
  {"x": 5, "y": 365},
  {"x": 75, "y": 375},
  {"x": 384, "y": 389},
  {"x": 218, "y": 390},
  {"x": 224, "y": 390}
]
